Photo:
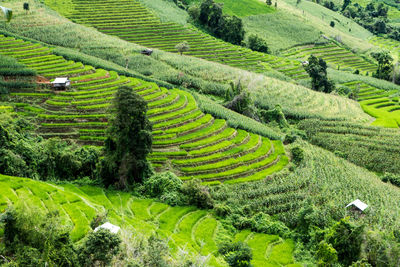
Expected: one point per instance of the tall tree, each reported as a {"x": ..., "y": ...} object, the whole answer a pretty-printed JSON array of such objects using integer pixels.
[
  {"x": 316, "y": 68},
  {"x": 384, "y": 65},
  {"x": 128, "y": 143},
  {"x": 345, "y": 4},
  {"x": 205, "y": 10}
]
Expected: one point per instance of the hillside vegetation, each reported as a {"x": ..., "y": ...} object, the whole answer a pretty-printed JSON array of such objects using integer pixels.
[
  {"x": 207, "y": 77},
  {"x": 198, "y": 145},
  {"x": 204, "y": 152},
  {"x": 187, "y": 228}
]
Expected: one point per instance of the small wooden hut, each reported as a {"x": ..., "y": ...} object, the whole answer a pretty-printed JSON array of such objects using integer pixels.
[{"x": 61, "y": 83}]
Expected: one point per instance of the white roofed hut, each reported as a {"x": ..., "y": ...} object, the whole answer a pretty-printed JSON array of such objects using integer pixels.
[
  {"x": 111, "y": 227},
  {"x": 61, "y": 83},
  {"x": 357, "y": 205}
]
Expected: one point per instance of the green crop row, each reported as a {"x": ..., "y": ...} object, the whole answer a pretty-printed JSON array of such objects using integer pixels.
[
  {"x": 262, "y": 151},
  {"x": 216, "y": 126},
  {"x": 279, "y": 150}
]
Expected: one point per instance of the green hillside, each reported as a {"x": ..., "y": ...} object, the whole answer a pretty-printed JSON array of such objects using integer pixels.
[
  {"x": 197, "y": 145},
  {"x": 186, "y": 227},
  {"x": 152, "y": 33},
  {"x": 221, "y": 155},
  {"x": 243, "y": 8},
  {"x": 209, "y": 77},
  {"x": 339, "y": 57}
]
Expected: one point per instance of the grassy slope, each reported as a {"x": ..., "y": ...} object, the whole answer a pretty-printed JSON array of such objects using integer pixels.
[
  {"x": 243, "y": 8},
  {"x": 281, "y": 29},
  {"x": 185, "y": 227},
  {"x": 320, "y": 17},
  {"x": 167, "y": 11},
  {"x": 179, "y": 127},
  {"x": 167, "y": 66},
  {"x": 326, "y": 181},
  {"x": 292, "y": 24}
]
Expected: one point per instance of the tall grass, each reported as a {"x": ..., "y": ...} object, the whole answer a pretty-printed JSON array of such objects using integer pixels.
[
  {"x": 326, "y": 181},
  {"x": 281, "y": 30}
]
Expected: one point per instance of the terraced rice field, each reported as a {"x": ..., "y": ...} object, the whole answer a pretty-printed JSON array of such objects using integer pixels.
[
  {"x": 387, "y": 44},
  {"x": 381, "y": 104},
  {"x": 337, "y": 56},
  {"x": 131, "y": 21},
  {"x": 186, "y": 227},
  {"x": 185, "y": 140}
]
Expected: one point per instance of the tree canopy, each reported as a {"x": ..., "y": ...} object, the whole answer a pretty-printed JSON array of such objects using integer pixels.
[
  {"x": 317, "y": 69},
  {"x": 129, "y": 141}
]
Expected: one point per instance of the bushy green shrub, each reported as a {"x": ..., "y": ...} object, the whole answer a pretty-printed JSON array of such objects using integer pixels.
[
  {"x": 256, "y": 43},
  {"x": 297, "y": 154},
  {"x": 392, "y": 178},
  {"x": 162, "y": 183},
  {"x": 263, "y": 223},
  {"x": 23, "y": 153},
  {"x": 222, "y": 210},
  {"x": 196, "y": 194},
  {"x": 99, "y": 248},
  {"x": 326, "y": 254},
  {"x": 346, "y": 239},
  {"x": 236, "y": 254},
  {"x": 33, "y": 238}
]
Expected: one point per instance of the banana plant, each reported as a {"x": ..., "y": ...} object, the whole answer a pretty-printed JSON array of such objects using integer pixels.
[{"x": 7, "y": 13}]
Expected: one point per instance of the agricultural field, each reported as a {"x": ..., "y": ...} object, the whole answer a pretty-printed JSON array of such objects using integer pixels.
[
  {"x": 387, "y": 44},
  {"x": 381, "y": 104},
  {"x": 187, "y": 228},
  {"x": 267, "y": 89},
  {"x": 149, "y": 31},
  {"x": 277, "y": 175},
  {"x": 338, "y": 57},
  {"x": 14, "y": 75},
  {"x": 366, "y": 146},
  {"x": 243, "y": 8},
  {"x": 194, "y": 144}
]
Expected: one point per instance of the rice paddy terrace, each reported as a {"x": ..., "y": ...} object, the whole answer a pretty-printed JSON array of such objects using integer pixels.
[
  {"x": 191, "y": 143},
  {"x": 132, "y": 22},
  {"x": 337, "y": 56},
  {"x": 387, "y": 44},
  {"x": 197, "y": 231},
  {"x": 381, "y": 104}
]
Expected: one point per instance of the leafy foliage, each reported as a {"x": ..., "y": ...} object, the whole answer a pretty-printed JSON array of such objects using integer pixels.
[
  {"x": 25, "y": 154},
  {"x": 99, "y": 248},
  {"x": 239, "y": 100},
  {"x": 228, "y": 28},
  {"x": 182, "y": 47},
  {"x": 129, "y": 141},
  {"x": 256, "y": 43},
  {"x": 236, "y": 254},
  {"x": 316, "y": 68},
  {"x": 34, "y": 238},
  {"x": 384, "y": 65}
]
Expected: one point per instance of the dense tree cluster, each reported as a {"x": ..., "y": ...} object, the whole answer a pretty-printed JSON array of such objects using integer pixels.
[
  {"x": 34, "y": 238},
  {"x": 210, "y": 16},
  {"x": 28, "y": 155}
]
